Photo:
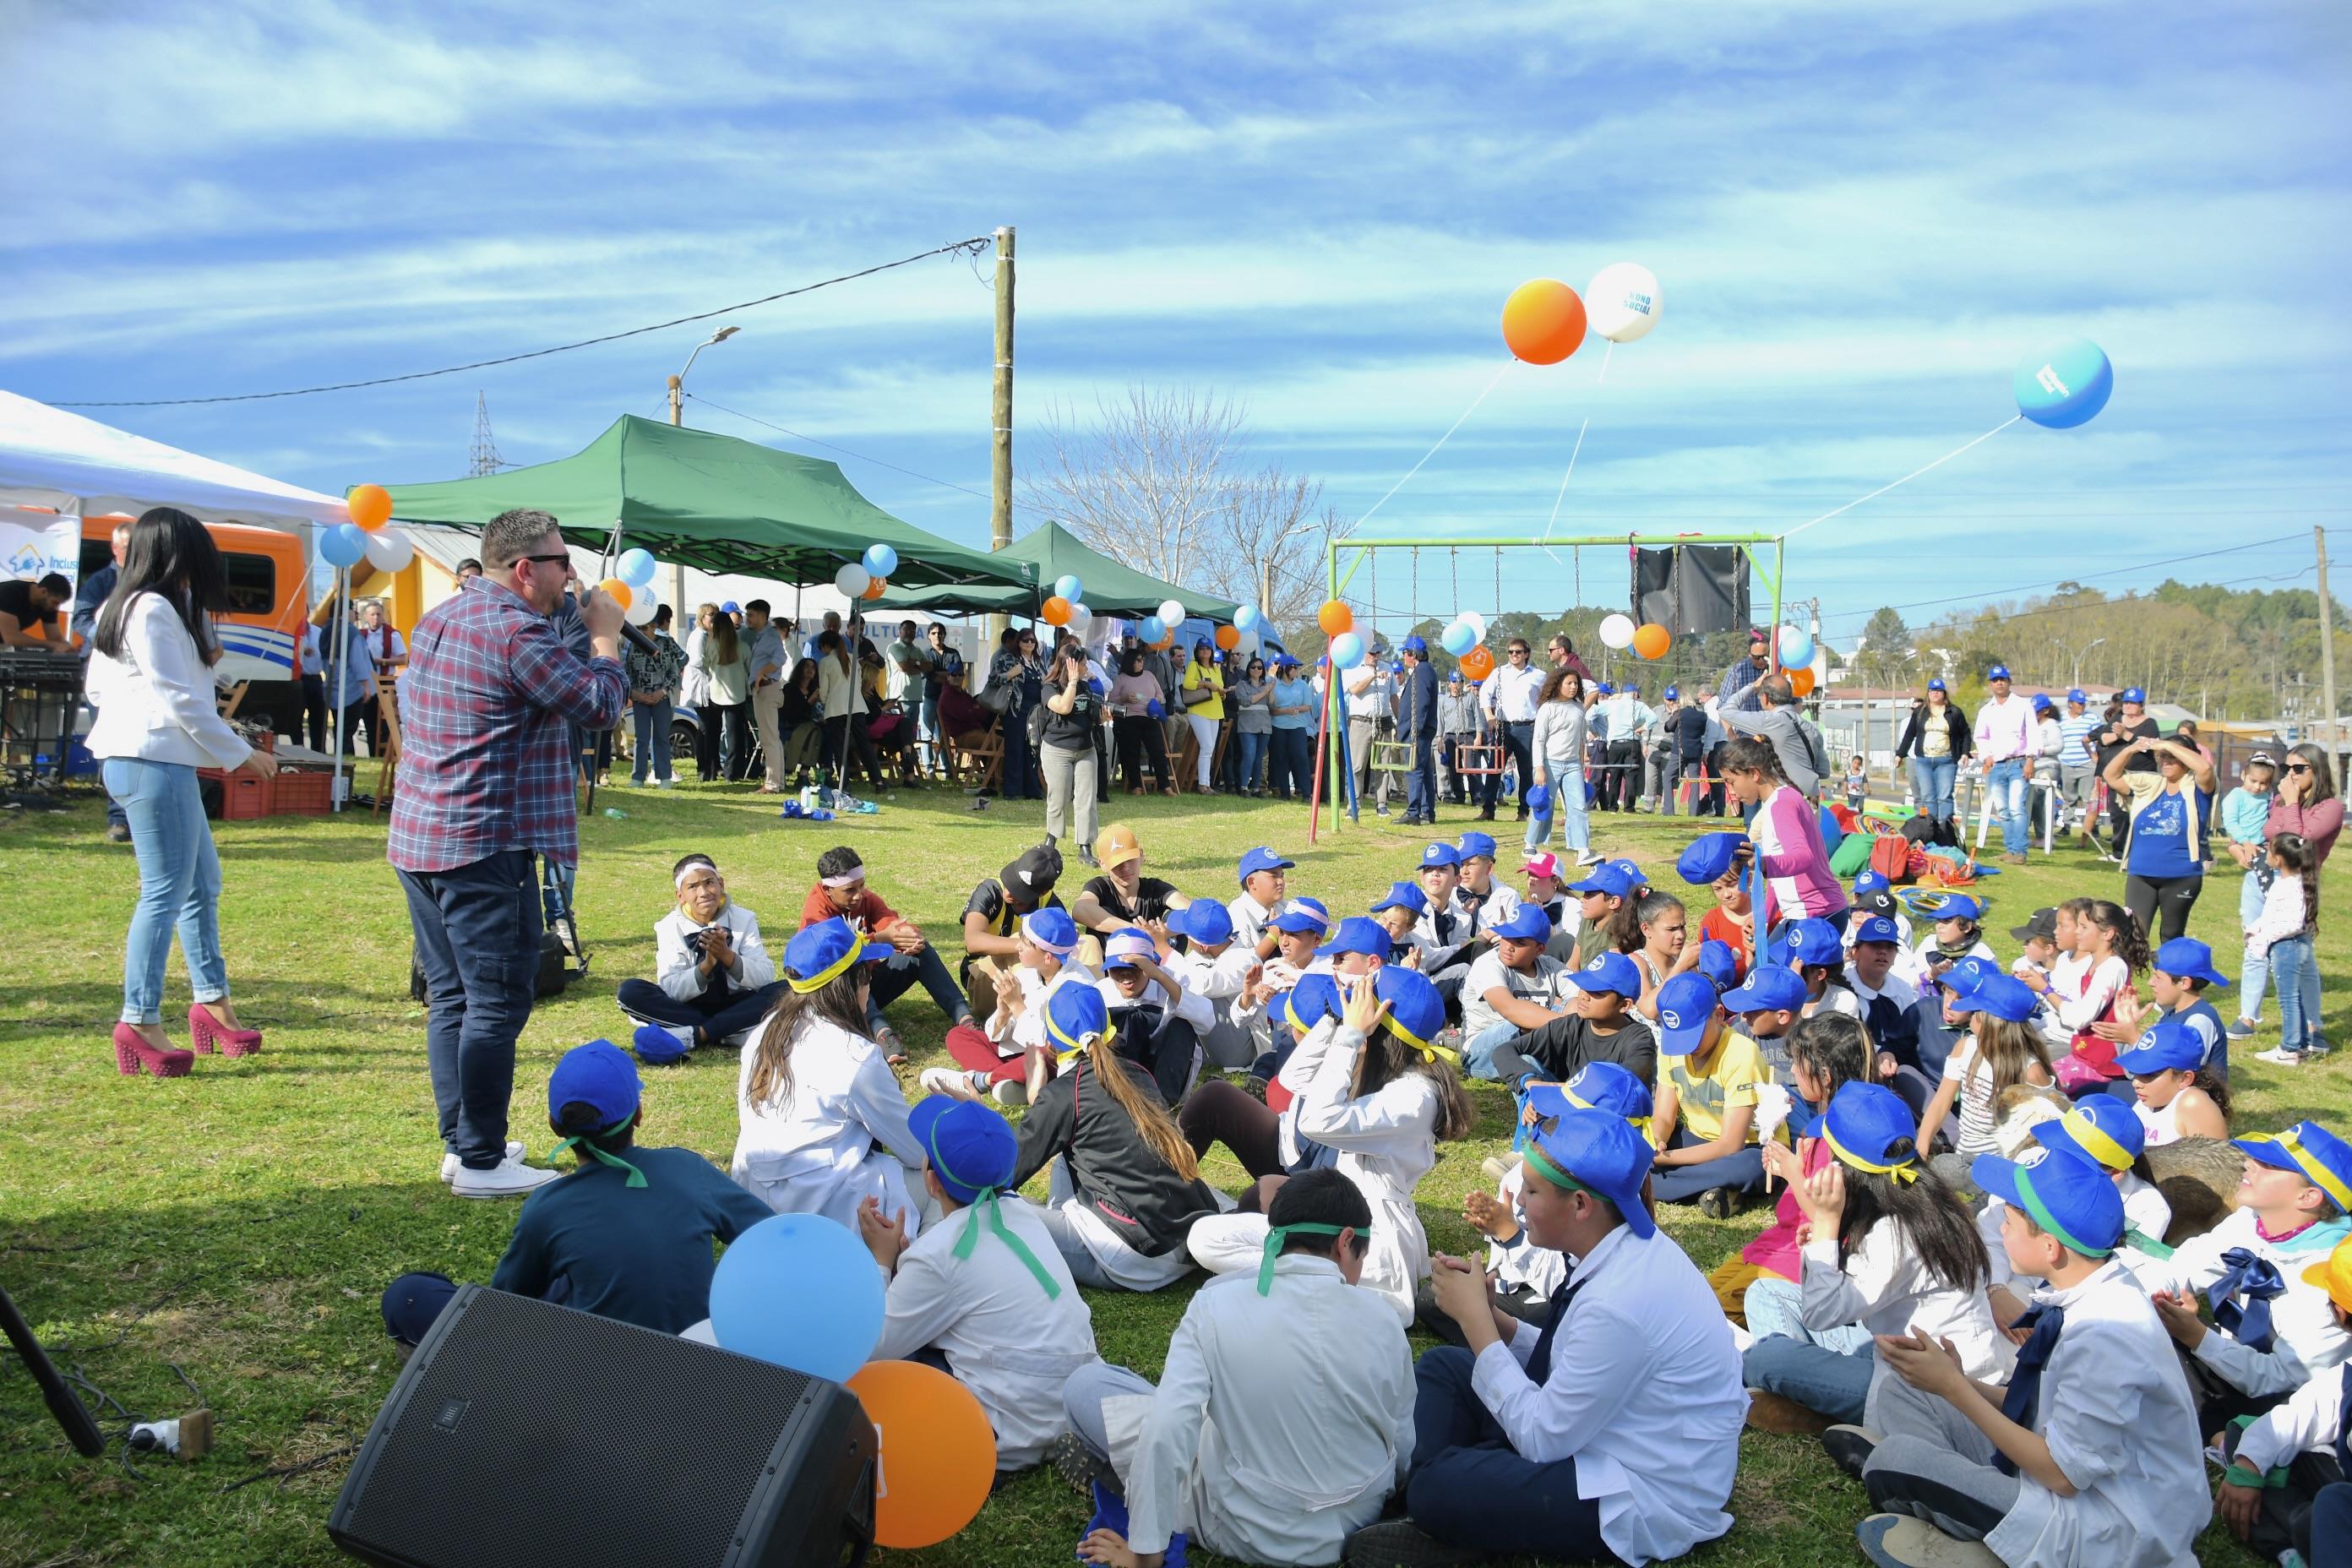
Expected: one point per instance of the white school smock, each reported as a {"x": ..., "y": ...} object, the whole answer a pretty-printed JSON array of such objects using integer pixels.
[
  {"x": 1015, "y": 1034},
  {"x": 1645, "y": 1393},
  {"x": 2308, "y": 1423},
  {"x": 1281, "y": 1423},
  {"x": 680, "y": 972},
  {"x": 2115, "y": 1410},
  {"x": 1886, "y": 1288},
  {"x": 1005, "y": 1337},
  {"x": 814, "y": 1152},
  {"x": 2304, "y": 1338},
  {"x": 1501, "y": 903},
  {"x": 1296, "y": 1072},
  {"x": 1249, "y": 920},
  {"x": 1211, "y": 986}
]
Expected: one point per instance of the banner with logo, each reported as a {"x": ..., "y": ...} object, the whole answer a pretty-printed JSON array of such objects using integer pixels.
[{"x": 34, "y": 544}]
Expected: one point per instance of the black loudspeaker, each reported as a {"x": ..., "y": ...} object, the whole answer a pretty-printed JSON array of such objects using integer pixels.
[{"x": 523, "y": 1432}]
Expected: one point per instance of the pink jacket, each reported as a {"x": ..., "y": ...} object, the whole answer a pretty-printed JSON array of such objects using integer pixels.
[{"x": 1798, "y": 879}]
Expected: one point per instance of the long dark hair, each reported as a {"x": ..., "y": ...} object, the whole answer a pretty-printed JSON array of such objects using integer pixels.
[
  {"x": 1556, "y": 688},
  {"x": 837, "y": 1002},
  {"x": 1625, "y": 923},
  {"x": 169, "y": 553},
  {"x": 2123, "y": 925},
  {"x": 1934, "y": 1226},
  {"x": 1834, "y": 1049},
  {"x": 2293, "y": 852},
  {"x": 1387, "y": 1058},
  {"x": 2323, "y": 774}
]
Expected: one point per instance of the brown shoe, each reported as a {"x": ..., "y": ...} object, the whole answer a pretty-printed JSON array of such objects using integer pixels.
[{"x": 1777, "y": 1412}]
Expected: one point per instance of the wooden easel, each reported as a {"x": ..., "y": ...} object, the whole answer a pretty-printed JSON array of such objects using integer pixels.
[{"x": 388, "y": 711}]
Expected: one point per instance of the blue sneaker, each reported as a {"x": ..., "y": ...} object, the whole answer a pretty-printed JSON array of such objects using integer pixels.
[{"x": 2240, "y": 1029}]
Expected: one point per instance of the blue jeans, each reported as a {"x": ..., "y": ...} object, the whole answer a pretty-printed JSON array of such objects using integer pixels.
[
  {"x": 178, "y": 884},
  {"x": 1478, "y": 1051},
  {"x": 1294, "y": 762},
  {"x": 898, "y": 974},
  {"x": 1421, "y": 780},
  {"x": 649, "y": 723},
  {"x": 1742, "y": 1170},
  {"x": 478, "y": 943},
  {"x": 1251, "y": 749},
  {"x": 2005, "y": 787},
  {"x": 1931, "y": 785},
  {"x": 2296, "y": 970},
  {"x": 1470, "y": 1488},
  {"x": 1834, "y": 1382}
]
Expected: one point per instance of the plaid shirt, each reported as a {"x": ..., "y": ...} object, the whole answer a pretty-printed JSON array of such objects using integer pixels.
[{"x": 487, "y": 711}]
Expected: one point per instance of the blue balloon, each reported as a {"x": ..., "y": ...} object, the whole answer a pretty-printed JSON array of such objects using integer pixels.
[
  {"x": 345, "y": 544},
  {"x": 2065, "y": 385},
  {"x": 799, "y": 1290},
  {"x": 1246, "y": 617},
  {"x": 1796, "y": 648},
  {"x": 1347, "y": 650},
  {"x": 1067, "y": 586},
  {"x": 636, "y": 567},
  {"x": 1458, "y": 638},
  {"x": 881, "y": 559},
  {"x": 1153, "y": 629}
]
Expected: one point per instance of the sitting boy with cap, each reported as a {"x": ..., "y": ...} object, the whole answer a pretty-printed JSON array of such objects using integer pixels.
[
  {"x": 1214, "y": 967},
  {"x": 1489, "y": 902},
  {"x": 1600, "y": 1026},
  {"x": 1708, "y": 1090},
  {"x": 2280, "y": 1462},
  {"x": 993, "y": 917},
  {"x": 841, "y": 890},
  {"x": 1160, "y": 1020},
  {"x": 1510, "y": 990},
  {"x": 1260, "y": 900},
  {"x": 1006, "y": 1058},
  {"x": 982, "y": 1289},
  {"x": 1611, "y": 1434},
  {"x": 627, "y": 1234},
  {"x": 713, "y": 979}
]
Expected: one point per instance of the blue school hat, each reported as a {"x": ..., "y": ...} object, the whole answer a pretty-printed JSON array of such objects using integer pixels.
[
  {"x": 731, "y": 607},
  {"x": 1606, "y": 689},
  {"x": 1404, "y": 896},
  {"x": 1602, "y": 1155},
  {"x": 1608, "y": 971},
  {"x": 2004, "y": 996},
  {"x": 1075, "y": 1015},
  {"x": 1769, "y": 989},
  {"x": 1302, "y": 915},
  {"x": 2186, "y": 958},
  {"x": 1710, "y": 858},
  {"x": 1471, "y": 845},
  {"x": 1598, "y": 1085},
  {"x": 1936, "y": 684},
  {"x": 1718, "y": 963},
  {"x": 2135, "y": 694},
  {"x": 2323, "y": 1159},
  {"x": 1811, "y": 940},
  {"x": 2102, "y": 1127},
  {"x": 1539, "y": 799},
  {"x": 819, "y": 954},
  {"x": 1870, "y": 882},
  {"x": 1877, "y": 927},
  {"x": 1998, "y": 672},
  {"x": 1439, "y": 854},
  {"x": 1674, "y": 694},
  {"x": 2040, "y": 703},
  {"x": 1634, "y": 876},
  {"x": 1262, "y": 860},
  {"x": 1055, "y": 930},
  {"x": 1863, "y": 1123},
  {"x": 971, "y": 1148},
  {"x": 1356, "y": 935},
  {"x": 1122, "y": 948},
  {"x": 658, "y": 1047},
  {"x": 1314, "y": 998},
  {"x": 1605, "y": 877},
  {"x": 1416, "y": 1012},
  {"x": 1686, "y": 1003},
  {"x": 1414, "y": 644},
  {"x": 600, "y": 1075},
  {"x": 2074, "y": 694},
  {"x": 2172, "y": 1043},
  {"x": 1528, "y": 924},
  {"x": 1954, "y": 907},
  {"x": 1208, "y": 922},
  {"x": 2073, "y": 1199}
]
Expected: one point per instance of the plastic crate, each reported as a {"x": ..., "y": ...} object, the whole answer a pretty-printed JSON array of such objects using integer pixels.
[
  {"x": 302, "y": 794},
  {"x": 244, "y": 798}
]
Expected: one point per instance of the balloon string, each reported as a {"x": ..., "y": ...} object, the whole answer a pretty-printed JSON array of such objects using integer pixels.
[
  {"x": 1440, "y": 441},
  {"x": 1908, "y": 477},
  {"x": 1578, "y": 447}
]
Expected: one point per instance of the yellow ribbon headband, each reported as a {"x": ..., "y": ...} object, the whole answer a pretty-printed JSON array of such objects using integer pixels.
[
  {"x": 2319, "y": 1175},
  {"x": 2094, "y": 1141},
  {"x": 831, "y": 972},
  {"x": 1902, "y": 1170}
]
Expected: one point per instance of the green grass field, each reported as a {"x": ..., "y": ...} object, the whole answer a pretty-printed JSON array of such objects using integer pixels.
[{"x": 241, "y": 1222}]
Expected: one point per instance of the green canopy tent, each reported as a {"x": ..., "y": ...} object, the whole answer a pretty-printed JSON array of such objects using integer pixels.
[
  {"x": 713, "y": 502},
  {"x": 1054, "y": 552}
]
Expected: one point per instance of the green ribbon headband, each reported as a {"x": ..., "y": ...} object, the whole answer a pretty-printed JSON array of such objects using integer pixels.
[
  {"x": 1553, "y": 1173},
  {"x": 1274, "y": 1241},
  {"x": 584, "y": 1143},
  {"x": 986, "y": 1200},
  {"x": 2042, "y": 1217}
]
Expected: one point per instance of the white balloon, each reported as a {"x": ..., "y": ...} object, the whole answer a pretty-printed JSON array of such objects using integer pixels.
[
  {"x": 1624, "y": 301},
  {"x": 1476, "y": 623},
  {"x": 1172, "y": 614},
  {"x": 388, "y": 551},
  {"x": 852, "y": 579},
  {"x": 642, "y": 606},
  {"x": 1617, "y": 631}
]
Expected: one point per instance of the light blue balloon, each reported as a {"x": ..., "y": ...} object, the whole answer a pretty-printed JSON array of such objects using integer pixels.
[
  {"x": 1458, "y": 638},
  {"x": 345, "y": 544},
  {"x": 881, "y": 559},
  {"x": 1067, "y": 586},
  {"x": 636, "y": 567},
  {"x": 799, "y": 1290},
  {"x": 1796, "y": 648},
  {"x": 1246, "y": 618},
  {"x": 1348, "y": 650},
  {"x": 1153, "y": 629},
  {"x": 2065, "y": 385}
]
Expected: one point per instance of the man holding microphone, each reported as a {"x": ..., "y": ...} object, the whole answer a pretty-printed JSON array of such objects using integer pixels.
[{"x": 487, "y": 781}]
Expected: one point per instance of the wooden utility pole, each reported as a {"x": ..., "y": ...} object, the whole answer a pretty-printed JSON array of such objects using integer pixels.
[
  {"x": 999, "y": 454},
  {"x": 680, "y": 617},
  {"x": 2326, "y": 643}
]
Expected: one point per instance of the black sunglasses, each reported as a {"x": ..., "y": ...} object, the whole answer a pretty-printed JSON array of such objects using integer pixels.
[
  {"x": 2298, "y": 767},
  {"x": 566, "y": 558}
]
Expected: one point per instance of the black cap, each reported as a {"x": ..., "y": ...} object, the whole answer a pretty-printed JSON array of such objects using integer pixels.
[
  {"x": 2042, "y": 923},
  {"x": 1032, "y": 875}
]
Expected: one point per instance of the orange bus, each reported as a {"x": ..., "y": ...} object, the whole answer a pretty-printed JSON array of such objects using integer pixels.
[{"x": 268, "y": 595}]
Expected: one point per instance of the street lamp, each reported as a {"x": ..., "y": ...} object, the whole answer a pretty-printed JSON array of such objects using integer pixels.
[
  {"x": 678, "y": 382},
  {"x": 2079, "y": 657}
]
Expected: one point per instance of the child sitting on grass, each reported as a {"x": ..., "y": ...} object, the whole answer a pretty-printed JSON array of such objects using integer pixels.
[
  {"x": 2103, "y": 1131},
  {"x": 713, "y": 980},
  {"x": 1006, "y": 1056},
  {"x": 2281, "y": 1461},
  {"x": 2003, "y": 1050},
  {"x": 1706, "y": 1110},
  {"x": 2175, "y": 1095},
  {"x": 1826, "y": 1053}
]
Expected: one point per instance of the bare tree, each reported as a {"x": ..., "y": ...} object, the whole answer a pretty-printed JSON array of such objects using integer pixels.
[{"x": 1160, "y": 480}]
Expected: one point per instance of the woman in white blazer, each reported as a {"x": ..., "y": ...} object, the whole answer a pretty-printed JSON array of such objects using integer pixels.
[{"x": 151, "y": 681}]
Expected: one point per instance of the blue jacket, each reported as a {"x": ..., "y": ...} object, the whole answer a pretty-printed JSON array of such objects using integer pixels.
[{"x": 1417, "y": 704}]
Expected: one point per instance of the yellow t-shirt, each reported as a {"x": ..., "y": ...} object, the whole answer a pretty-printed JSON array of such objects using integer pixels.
[
  {"x": 1197, "y": 675},
  {"x": 1729, "y": 1080}
]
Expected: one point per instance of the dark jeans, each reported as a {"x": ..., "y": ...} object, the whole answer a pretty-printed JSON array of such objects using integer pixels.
[
  {"x": 706, "y": 742},
  {"x": 719, "y": 1012},
  {"x": 1472, "y": 1489},
  {"x": 1620, "y": 784},
  {"x": 1293, "y": 767},
  {"x": 1421, "y": 781},
  {"x": 478, "y": 943},
  {"x": 854, "y": 749},
  {"x": 413, "y": 1304},
  {"x": 898, "y": 974},
  {"x": 314, "y": 709},
  {"x": 1022, "y": 779},
  {"x": 1250, "y": 747},
  {"x": 352, "y": 721},
  {"x": 1520, "y": 740},
  {"x": 2162, "y": 903},
  {"x": 1140, "y": 740}
]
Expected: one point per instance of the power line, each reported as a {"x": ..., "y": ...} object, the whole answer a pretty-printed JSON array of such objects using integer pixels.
[
  {"x": 2087, "y": 576},
  {"x": 960, "y": 245}
]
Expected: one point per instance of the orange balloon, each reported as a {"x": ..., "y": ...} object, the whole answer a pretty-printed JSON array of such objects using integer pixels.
[
  {"x": 615, "y": 590},
  {"x": 1056, "y": 611},
  {"x": 370, "y": 506},
  {"x": 1543, "y": 321},
  {"x": 1168, "y": 641},
  {"x": 1653, "y": 640},
  {"x": 876, "y": 587},
  {"x": 1335, "y": 617},
  {"x": 1478, "y": 663},
  {"x": 937, "y": 1457},
  {"x": 1228, "y": 638},
  {"x": 1801, "y": 681}
]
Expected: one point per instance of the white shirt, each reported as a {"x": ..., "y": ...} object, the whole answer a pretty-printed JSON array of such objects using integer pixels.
[
  {"x": 1645, "y": 1393},
  {"x": 2116, "y": 1413},
  {"x": 154, "y": 699},
  {"x": 1212, "y": 992},
  {"x": 1487, "y": 973},
  {"x": 2304, "y": 1338},
  {"x": 1501, "y": 903},
  {"x": 2005, "y": 729},
  {"x": 1004, "y": 1339},
  {"x": 1523, "y": 1263},
  {"x": 1510, "y": 694},
  {"x": 1249, "y": 920},
  {"x": 680, "y": 972},
  {"x": 1460, "y": 927},
  {"x": 1885, "y": 1287},
  {"x": 1366, "y": 692},
  {"x": 2309, "y": 1422},
  {"x": 1387, "y": 1141},
  {"x": 812, "y": 1151},
  {"x": 1015, "y": 1034},
  {"x": 1282, "y": 1422}
]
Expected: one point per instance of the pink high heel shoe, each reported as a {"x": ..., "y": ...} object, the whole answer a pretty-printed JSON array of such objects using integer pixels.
[
  {"x": 132, "y": 1053},
  {"x": 204, "y": 1032}
]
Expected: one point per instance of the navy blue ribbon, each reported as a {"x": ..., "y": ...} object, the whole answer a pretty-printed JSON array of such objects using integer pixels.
[
  {"x": 2044, "y": 1323},
  {"x": 2258, "y": 1280}
]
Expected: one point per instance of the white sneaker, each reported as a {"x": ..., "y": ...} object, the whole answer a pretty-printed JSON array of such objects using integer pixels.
[
  {"x": 1588, "y": 857},
  {"x": 2280, "y": 1057},
  {"x": 954, "y": 1082},
  {"x": 450, "y": 1167},
  {"x": 509, "y": 1178},
  {"x": 1011, "y": 1091}
]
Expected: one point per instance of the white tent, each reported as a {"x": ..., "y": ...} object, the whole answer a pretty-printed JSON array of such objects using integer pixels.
[{"x": 50, "y": 457}]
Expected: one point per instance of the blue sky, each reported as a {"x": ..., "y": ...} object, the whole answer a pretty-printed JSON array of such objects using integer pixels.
[{"x": 1862, "y": 217}]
